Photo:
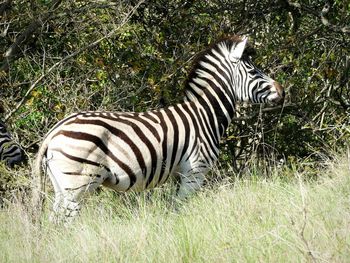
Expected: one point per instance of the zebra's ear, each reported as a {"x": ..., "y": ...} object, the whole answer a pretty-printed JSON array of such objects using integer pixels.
[{"x": 238, "y": 50}]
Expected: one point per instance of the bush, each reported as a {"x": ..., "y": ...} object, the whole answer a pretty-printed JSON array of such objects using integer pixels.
[{"x": 144, "y": 63}]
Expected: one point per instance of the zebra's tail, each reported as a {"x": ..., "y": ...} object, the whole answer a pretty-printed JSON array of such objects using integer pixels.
[{"x": 38, "y": 181}]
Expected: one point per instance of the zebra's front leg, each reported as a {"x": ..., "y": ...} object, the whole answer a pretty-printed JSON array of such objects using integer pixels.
[{"x": 190, "y": 183}]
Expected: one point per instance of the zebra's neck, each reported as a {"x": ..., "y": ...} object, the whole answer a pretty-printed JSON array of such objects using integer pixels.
[
  {"x": 215, "y": 103},
  {"x": 210, "y": 87}
]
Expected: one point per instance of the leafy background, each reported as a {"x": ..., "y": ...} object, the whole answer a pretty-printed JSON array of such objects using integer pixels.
[{"x": 65, "y": 56}]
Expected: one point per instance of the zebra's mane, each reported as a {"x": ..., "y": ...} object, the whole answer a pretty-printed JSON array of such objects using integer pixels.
[{"x": 229, "y": 41}]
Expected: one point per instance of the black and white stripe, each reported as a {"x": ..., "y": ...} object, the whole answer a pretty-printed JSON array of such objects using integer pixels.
[
  {"x": 134, "y": 151},
  {"x": 10, "y": 152}
]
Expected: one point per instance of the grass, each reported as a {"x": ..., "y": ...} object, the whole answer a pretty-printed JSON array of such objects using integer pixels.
[{"x": 247, "y": 220}]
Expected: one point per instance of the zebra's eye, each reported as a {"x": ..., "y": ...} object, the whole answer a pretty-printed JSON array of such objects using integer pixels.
[
  {"x": 253, "y": 71},
  {"x": 235, "y": 61}
]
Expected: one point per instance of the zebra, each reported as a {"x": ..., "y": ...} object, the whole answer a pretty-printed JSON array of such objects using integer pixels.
[
  {"x": 10, "y": 152},
  {"x": 133, "y": 151}
]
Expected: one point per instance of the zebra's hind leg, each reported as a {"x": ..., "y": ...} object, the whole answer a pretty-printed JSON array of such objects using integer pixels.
[
  {"x": 69, "y": 192},
  {"x": 68, "y": 201},
  {"x": 54, "y": 215},
  {"x": 190, "y": 183},
  {"x": 64, "y": 209}
]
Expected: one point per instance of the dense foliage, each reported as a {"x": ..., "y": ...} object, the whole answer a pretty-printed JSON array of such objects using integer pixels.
[{"x": 65, "y": 56}]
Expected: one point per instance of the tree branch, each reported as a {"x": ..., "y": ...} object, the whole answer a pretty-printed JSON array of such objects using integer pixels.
[
  {"x": 325, "y": 21},
  {"x": 264, "y": 110},
  {"x": 44, "y": 74},
  {"x": 321, "y": 15},
  {"x": 15, "y": 48},
  {"x": 4, "y": 6},
  {"x": 343, "y": 86}
]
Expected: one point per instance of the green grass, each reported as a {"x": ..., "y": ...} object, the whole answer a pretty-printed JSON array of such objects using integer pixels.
[{"x": 248, "y": 220}]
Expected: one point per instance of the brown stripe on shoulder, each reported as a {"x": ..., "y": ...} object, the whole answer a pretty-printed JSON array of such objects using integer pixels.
[
  {"x": 145, "y": 140},
  {"x": 175, "y": 144},
  {"x": 164, "y": 146}
]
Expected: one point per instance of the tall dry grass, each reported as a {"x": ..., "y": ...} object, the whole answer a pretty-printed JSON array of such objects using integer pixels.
[{"x": 285, "y": 218}]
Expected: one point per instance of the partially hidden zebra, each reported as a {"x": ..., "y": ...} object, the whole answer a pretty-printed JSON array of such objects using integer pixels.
[
  {"x": 10, "y": 152},
  {"x": 139, "y": 150}
]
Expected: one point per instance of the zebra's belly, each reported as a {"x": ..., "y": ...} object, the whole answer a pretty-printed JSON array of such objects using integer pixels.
[
  {"x": 121, "y": 181},
  {"x": 136, "y": 179}
]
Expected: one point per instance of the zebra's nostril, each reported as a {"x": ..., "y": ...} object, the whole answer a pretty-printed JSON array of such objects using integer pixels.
[{"x": 279, "y": 89}]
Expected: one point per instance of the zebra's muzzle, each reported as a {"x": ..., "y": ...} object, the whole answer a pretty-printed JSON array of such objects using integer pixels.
[{"x": 277, "y": 93}]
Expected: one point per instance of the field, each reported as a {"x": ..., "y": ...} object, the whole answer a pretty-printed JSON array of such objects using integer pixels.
[
  {"x": 60, "y": 57},
  {"x": 287, "y": 217}
]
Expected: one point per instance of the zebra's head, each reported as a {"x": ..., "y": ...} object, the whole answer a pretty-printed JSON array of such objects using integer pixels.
[{"x": 250, "y": 84}]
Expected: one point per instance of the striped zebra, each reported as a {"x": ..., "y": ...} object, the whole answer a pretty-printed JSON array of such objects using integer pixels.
[
  {"x": 10, "y": 152},
  {"x": 136, "y": 151}
]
